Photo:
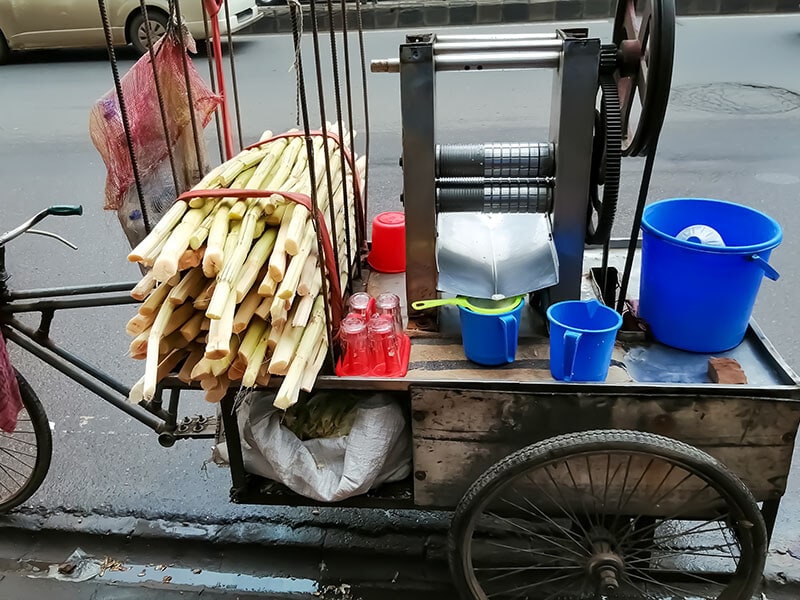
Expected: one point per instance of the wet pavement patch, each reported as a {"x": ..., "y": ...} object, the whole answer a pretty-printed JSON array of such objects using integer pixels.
[{"x": 735, "y": 98}]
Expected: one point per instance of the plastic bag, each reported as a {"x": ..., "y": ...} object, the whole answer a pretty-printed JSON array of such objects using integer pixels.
[
  {"x": 377, "y": 449},
  {"x": 147, "y": 134}
]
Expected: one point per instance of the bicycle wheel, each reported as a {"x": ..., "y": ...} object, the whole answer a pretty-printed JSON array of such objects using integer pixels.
[
  {"x": 608, "y": 514},
  {"x": 25, "y": 454}
]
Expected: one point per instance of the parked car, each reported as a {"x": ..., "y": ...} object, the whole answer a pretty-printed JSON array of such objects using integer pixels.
[{"x": 27, "y": 25}]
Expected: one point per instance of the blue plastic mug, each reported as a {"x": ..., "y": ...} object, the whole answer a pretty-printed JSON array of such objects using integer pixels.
[
  {"x": 490, "y": 340},
  {"x": 582, "y": 338}
]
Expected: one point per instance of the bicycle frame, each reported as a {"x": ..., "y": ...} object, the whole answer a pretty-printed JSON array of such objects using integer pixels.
[{"x": 37, "y": 342}]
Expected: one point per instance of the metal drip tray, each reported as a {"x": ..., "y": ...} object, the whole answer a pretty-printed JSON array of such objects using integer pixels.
[{"x": 495, "y": 255}]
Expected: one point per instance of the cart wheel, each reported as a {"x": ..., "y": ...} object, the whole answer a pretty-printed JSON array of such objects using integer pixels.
[
  {"x": 24, "y": 454},
  {"x": 608, "y": 514}
]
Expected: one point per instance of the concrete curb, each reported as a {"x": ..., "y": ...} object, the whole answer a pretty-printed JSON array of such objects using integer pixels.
[
  {"x": 409, "y": 14},
  {"x": 426, "y": 542},
  {"x": 413, "y": 538}
]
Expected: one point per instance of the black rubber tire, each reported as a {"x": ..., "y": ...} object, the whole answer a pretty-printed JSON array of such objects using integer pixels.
[
  {"x": 5, "y": 52},
  {"x": 44, "y": 446},
  {"x": 606, "y": 440},
  {"x": 155, "y": 16}
]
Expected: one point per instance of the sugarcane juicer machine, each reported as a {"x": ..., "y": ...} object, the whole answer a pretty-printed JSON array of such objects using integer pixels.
[{"x": 494, "y": 220}]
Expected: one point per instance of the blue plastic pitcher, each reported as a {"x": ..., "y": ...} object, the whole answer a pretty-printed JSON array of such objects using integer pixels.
[
  {"x": 696, "y": 296},
  {"x": 490, "y": 340},
  {"x": 582, "y": 338}
]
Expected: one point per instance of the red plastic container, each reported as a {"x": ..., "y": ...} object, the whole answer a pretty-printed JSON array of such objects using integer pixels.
[{"x": 388, "y": 254}]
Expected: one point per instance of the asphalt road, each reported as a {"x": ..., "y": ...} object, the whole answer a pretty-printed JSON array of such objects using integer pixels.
[{"x": 731, "y": 132}]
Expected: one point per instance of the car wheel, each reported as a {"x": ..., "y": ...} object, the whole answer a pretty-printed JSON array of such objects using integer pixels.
[
  {"x": 141, "y": 32},
  {"x": 5, "y": 53}
]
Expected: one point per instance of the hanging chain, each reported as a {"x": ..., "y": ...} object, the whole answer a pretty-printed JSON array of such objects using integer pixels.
[
  {"x": 296, "y": 65},
  {"x": 160, "y": 96},
  {"x": 126, "y": 126}
]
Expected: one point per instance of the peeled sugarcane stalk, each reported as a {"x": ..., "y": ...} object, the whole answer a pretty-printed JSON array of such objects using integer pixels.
[
  {"x": 255, "y": 360},
  {"x": 195, "y": 356},
  {"x": 246, "y": 310},
  {"x": 144, "y": 287},
  {"x": 263, "y": 377},
  {"x": 301, "y": 356},
  {"x": 189, "y": 287},
  {"x": 202, "y": 369},
  {"x": 159, "y": 233},
  {"x": 288, "y": 287},
  {"x": 220, "y": 332},
  {"x": 171, "y": 342},
  {"x": 202, "y": 300},
  {"x": 268, "y": 286},
  {"x": 285, "y": 349},
  {"x": 280, "y": 315},
  {"x": 310, "y": 375},
  {"x": 178, "y": 318},
  {"x": 310, "y": 271},
  {"x": 251, "y": 339},
  {"x": 151, "y": 363},
  {"x": 302, "y": 312},
  {"x": 154, "y": 301},
  {"x": 166, "y": 264},
  {"x": 274, "y": 335},
  {"x": 277, "y": 260},
  {"x": 139, "y": 323},
  {"x": 218, "y": 393},
  {"x": 138, "y": 347},
  {"x": 220, "y": 366},
  {"x": 190, "y": 259},
  {"x": 255, "y": 260},
  {"x": 191, "y": 329},
  {"x": 263, "y": 309},
  {"x": 212, "y": 259}
]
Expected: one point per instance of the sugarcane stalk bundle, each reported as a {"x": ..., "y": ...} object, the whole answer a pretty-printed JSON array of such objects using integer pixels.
[{"x": 233, "y": 294}]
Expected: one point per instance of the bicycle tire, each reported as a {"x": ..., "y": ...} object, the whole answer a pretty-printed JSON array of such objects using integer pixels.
[
  {"x": 480, "y": 493},
  {"x": 44, "y": 447}
]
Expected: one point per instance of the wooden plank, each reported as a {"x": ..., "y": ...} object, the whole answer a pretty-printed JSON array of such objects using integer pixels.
[
  {"x": 458, "y": 434},
  {"x": 444, "y": 470},
  {"x": 524, "y": 418}
]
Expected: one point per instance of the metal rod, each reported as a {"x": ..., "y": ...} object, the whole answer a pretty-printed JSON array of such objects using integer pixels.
[
  {"x": 66, "y": 303},
  {"x": 637, "y": 223},
  {"x": 480, "y": 61},
  {"x": 72, "y": 359},
  {"x": 301, "y": 89},
  {"x": 212, "y": 77},
  {"x": 234, "y": 442},
  {"x": 337, "y": 95},
  {"x": 495, "y": 36},
  {"x": 189, "y": 95},
  {"x": 71, "y": 291},
  {"x": 160, "y": 96},
  {"x": 365, "y": 95},
  {"x": 172, "y": 409},
  {"x": 359, "y": 216},
  {"x": 234, "y": 81},
  {"x": 495, "y": 46},
  {"x": 74, "y": 372},
  {"x": 126, "y": 126}
]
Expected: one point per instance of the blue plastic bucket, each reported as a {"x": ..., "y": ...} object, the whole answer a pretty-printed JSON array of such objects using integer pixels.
[
  {"x": 696, "y": 296},
  {"x": 582, "y": 338},
  {"x": 490, "y": 340}
]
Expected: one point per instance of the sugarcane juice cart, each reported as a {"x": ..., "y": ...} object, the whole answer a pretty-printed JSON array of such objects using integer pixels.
[{"x": 655, "y": 482}]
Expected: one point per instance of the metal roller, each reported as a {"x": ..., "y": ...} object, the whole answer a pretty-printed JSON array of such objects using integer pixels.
[
  {"x": 494, "y": 196},
  {"x": 495, "y": 160}
]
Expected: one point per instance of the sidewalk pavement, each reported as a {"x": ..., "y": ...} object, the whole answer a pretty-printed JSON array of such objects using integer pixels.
[{"x": 392, "y": 14}]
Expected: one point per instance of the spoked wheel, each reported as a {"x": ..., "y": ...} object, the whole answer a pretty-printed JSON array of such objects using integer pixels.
[
  {"x": 644, "y": 34},
  {"x": 615, "y": 515},
  {"x": 24, "y": 454}
]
